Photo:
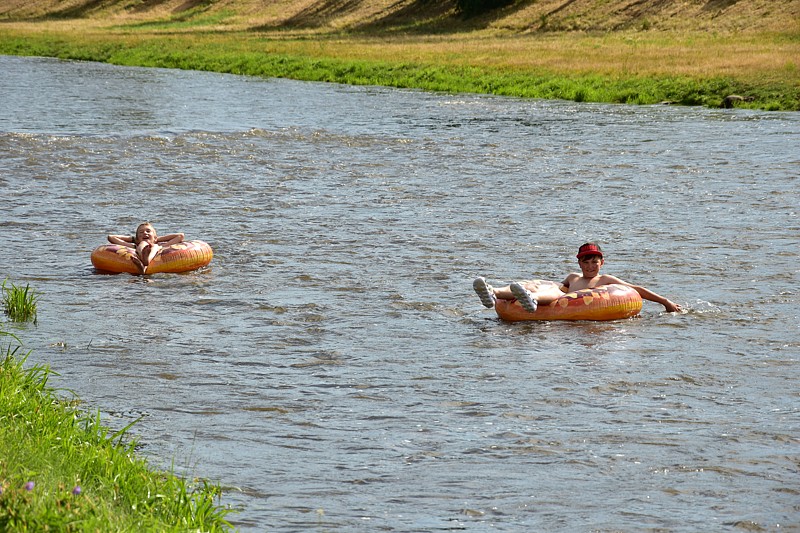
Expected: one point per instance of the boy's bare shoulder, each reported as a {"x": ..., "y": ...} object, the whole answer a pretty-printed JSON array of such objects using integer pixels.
[
  {"x": 607, "y": 279},
  {"x": 571, "y": 278}
]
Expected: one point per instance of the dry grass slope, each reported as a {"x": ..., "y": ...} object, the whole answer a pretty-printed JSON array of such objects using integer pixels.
[{"x": 522, "y": 16}]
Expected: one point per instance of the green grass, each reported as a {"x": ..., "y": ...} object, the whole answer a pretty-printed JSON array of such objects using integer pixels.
[
  {"x": 191, "y": 18},
  {"x": 328, "y": 61},
  {"x": 19, "y": 303},
  {"x": 62, "y": 470}
]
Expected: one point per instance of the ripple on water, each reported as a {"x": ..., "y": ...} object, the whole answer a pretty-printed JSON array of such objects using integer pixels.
[{"x": 332, "y": 367}]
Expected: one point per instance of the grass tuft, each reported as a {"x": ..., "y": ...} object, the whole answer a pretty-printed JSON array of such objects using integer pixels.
[{"x": 19, "y": 303}]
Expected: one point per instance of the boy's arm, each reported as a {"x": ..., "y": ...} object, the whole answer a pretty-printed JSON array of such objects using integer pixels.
[
  {"x": 567, "y": 281},
  {"x": 124, "y": 240},
  {"x": 172, "y": 238},
  {"x": 647, "y": 294},
  {"x": 669, "y": 305}
]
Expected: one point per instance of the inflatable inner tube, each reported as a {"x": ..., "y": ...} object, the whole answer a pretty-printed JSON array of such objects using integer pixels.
[
  {"x": 181, "y": 257},
  {"x": 609, "y": 302}
]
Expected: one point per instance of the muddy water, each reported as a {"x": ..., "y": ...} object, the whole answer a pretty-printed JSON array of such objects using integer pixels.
[{"x": 332, "y": 367}]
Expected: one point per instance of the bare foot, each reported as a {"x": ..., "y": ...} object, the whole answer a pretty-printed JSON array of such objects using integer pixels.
[{"x": 138, "y": 262}]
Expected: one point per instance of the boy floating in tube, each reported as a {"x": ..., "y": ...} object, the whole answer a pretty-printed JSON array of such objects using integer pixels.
[
  {"x": 532, "y": 293},
  {"x": 147, "y": 244}
]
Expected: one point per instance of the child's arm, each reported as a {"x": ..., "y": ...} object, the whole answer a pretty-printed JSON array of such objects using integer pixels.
[
  {"x": 124, "y": 240},
  {"x": 172, "y": 238},
  {"x": 647, "y": 294},
  {"x": 567, "y": 281},
  {"x": 669, "y": 305}
]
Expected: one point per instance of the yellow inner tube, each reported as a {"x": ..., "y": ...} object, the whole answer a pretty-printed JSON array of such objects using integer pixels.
[
  {"x": 181, "y": 257},
  {"x": 609, "y": 302}
]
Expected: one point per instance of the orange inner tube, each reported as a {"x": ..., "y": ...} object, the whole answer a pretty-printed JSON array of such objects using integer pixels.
[
  {"x": 609, "y": 302},
  {"x": 181, "y": 257}
]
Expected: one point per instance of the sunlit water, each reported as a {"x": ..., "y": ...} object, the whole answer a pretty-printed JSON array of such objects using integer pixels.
[{"x": 333, "y": 369}]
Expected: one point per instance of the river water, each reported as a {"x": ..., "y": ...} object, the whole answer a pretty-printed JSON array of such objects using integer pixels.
[{"x": 332, "y": 368}]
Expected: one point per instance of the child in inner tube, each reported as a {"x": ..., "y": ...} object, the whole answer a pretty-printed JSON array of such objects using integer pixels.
[
  {"x": 532, "y": 293},
  {"x": 147, "y": 244}
]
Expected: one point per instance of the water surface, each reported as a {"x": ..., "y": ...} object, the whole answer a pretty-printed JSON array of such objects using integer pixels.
[{"x": 332, "y": 367}]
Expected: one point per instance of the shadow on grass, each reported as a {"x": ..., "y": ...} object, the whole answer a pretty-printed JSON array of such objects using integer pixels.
[
  {"x": 416, "y": 17},
  {"x": 444, "y": 16},
  {"x": 93, "y": 7}
]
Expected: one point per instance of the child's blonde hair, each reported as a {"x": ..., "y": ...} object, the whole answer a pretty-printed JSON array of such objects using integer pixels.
[{"x": 140, "y": 226}]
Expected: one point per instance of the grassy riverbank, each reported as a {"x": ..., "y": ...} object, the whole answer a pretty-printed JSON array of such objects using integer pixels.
[
  {"x": 516, "y": 51},
  {"x": 61, "y": 470}
]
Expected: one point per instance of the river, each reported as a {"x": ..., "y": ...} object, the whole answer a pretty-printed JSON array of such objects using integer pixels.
[{"x": 332, "y": 368}]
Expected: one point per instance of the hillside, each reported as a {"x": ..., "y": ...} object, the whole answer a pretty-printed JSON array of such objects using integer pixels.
[{"x": 421, "y": 16}]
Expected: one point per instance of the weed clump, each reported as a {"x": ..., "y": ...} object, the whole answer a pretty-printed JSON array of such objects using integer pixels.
[{"x": 19, "y": 303}]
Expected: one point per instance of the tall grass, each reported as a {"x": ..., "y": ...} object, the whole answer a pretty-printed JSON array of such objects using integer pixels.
[
  {"x": 62, "y": 470},
  {"x": 19, "y": 303}
]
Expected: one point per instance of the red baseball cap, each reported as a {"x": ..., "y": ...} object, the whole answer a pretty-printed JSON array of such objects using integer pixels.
[{"x": 589, "y": 248}]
